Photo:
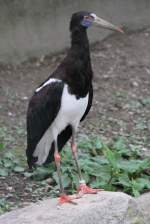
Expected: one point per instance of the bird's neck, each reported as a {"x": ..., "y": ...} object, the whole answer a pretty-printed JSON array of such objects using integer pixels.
[
  {"x": 79, "y": 41},
  {"x": 79, "y": 56}
]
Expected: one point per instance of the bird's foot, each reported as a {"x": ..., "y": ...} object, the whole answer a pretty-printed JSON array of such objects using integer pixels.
[
  {"x": 84, "y": 189},
  {"x": 68, "y": 199}
]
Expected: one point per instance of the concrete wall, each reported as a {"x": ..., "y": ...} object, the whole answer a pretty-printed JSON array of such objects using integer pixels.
[{"x": 35, "y": 27}]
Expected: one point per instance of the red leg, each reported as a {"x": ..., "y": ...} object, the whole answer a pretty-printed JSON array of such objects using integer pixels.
[
  {"x": 57, "y": 162},
  {"x": 83, "y": 188},
  {"x": 63, "y": 197},
  {"x": 74, "y": 153}
]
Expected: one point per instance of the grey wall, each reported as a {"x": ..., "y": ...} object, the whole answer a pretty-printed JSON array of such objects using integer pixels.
[{"x": 35, "y": 27}]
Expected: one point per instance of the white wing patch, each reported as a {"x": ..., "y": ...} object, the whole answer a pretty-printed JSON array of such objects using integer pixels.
[{"x": 51, "y": 80}]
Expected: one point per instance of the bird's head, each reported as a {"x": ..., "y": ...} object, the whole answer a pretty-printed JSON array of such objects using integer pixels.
[{"x": 87, "y": 19}]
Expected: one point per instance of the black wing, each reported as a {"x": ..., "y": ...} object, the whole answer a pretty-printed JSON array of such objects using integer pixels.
[
  {"x": 65, "y": 135},
  {"x": 42, "y": 110}
]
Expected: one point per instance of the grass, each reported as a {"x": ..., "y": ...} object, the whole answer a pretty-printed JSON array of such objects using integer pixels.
[
  {"x": 4, "y": 206},
  {"x": 113, "y": 166}
]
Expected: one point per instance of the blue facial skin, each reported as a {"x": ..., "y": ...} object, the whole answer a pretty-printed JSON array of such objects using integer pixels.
[{"x": 86, "y": 23}]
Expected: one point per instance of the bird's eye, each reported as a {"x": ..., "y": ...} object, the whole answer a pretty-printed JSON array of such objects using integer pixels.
[{"x": 89, "y": 18}]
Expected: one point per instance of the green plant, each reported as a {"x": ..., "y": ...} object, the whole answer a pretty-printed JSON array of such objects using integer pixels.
[
  {"x": 112, "y": 166},
  {"x": 4, "y": 206},
  {"x": 109, "y": 166},
  {"x": 8, "y": 163}
]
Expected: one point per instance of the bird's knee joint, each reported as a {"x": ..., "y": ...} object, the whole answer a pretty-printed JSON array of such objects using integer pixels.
[
  {"x": 74, "y": 149},
  {"x": 57, "y": 157}
]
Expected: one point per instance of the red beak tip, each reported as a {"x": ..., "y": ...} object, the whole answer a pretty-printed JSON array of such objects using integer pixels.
[{"x": 121, "y": 30}]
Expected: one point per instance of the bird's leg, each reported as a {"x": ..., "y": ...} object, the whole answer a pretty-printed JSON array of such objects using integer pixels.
[
  {"x": 57, "y": 162},
  {"x": 63, "y": 197},
  {"x": 83, "y": 188},
  {"x": 75, "y": 156}
]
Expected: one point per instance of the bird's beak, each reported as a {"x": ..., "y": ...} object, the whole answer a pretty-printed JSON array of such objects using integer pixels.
[{"x": 104, "y": 24}]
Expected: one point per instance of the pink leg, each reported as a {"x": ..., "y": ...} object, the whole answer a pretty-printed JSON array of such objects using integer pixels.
[
  {"x": 63, "y": 197},
  {"x": 83, "y": 188},
  {"x": 75, "y": 155}
]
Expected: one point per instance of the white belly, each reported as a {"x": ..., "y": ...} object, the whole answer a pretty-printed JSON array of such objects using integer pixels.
[{"x": 70, "y": 113}]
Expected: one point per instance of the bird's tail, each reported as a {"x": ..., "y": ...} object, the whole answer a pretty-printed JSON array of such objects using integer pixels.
[{"x": 63, "y": 137}]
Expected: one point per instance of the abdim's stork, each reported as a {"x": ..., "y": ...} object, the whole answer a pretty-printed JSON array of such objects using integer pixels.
[{"x": 62, "y": 101}]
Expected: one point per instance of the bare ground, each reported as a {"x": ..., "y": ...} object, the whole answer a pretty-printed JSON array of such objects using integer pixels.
[{"x": 121, "y": 105}]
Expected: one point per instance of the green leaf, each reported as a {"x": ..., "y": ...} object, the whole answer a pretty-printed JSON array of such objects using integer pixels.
[
  {"x": 145, "y": 164},
  {"x": 120, "y": 144},
  {"x": 130, "y": 166},
  {"x": 16, "y": 161},
  {"x": 137, "y": 186},
  {"x": 1, "y": 146},
  {"x": 28, "y": 174},
  {"x": 97, "y": 184},
  {"x": 75, "y": 180},
  {"x": 146, "y": 101},
  {"x": 86, "y": 177},
  {"x": 136, "y": 193},
  {"x": 66, "y": 181},
  {"x": 111, "y": 157},
  {"x": 8, "y": 163},
  {"x": 98, "y": 144},
  {"x": 55, "y": 177},
  {"x": 105, "y": 173},
  {"x": 41, "y": 173},
  {"x": 143, "y": 183},
  {"x": 1, "y": 162},
  {"x": 4, "y": 205},
  {"x": 3, "y": 172},
  {"x": 100, "y": 160},
  {"x": 9, "y": 155},
  {"x": 124, "y": 180},
  {"x": 19, "y": 169}
]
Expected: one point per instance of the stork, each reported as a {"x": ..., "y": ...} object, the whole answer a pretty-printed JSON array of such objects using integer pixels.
[{"x": 62, "y": 101}]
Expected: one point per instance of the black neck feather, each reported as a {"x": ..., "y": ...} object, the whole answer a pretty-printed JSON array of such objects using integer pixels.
[
  {"x": 79, "y": 56},
  {"x": 76, "y": 68},
  {"x": 79, "y": 39}
]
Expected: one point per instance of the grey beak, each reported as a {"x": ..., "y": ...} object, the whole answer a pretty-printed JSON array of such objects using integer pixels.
[{"x": 104, "y": 24}]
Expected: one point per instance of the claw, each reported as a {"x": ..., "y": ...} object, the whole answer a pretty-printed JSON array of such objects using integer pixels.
[
  {"x": 84, "y": 189},
  {"x": 68, "y": 199}
]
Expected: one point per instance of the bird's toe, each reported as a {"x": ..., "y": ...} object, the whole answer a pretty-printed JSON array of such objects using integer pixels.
[
  {"x": 84, "y": 189},
  {"x": 68, "y": 199}
]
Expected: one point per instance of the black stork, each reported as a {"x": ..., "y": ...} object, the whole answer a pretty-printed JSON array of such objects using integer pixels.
[{"x": 62, "y": 101}]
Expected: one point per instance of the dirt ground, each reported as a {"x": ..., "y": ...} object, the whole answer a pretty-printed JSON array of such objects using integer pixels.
[{"x": 121, "y": 65}]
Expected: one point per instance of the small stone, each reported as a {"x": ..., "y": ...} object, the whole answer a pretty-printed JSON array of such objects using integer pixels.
[
  {"x": 135, "y": 84},
  {"x": 9, "y": 188},
  {"x": 147, "y": 70},
  {"x": 49, "y": 181},
  {"x": 42, "y": 58},
  {"x": 38, "y": 64},
  {"x": 146, "y": 34},
  {"x": 24, "y": 98},
  {"x": 144, "y": 149},
  {"x": 10, "y": 114}
]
